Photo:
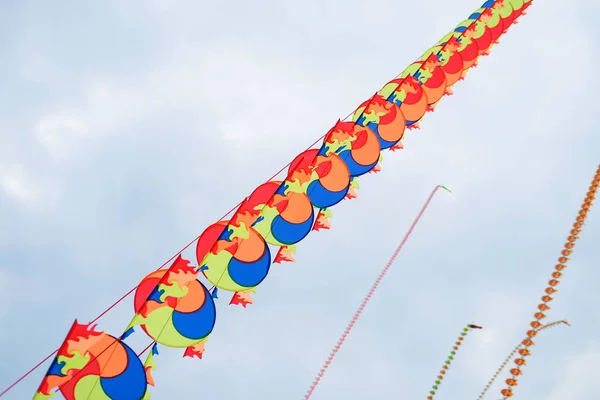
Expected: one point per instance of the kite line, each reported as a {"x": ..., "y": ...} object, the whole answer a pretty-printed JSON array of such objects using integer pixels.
[
  {"x": 511, "y": 355},
  {"x": 556, "y": 275},
  {"x": 450, "y": 358},
  {"x": 367, "y": 298}
]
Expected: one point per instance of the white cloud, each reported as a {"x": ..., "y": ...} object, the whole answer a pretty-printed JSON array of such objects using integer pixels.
[
  {"x": 14, "y": 186},
  {"x": 58, "y": 132},
  {"x": 36, "y": 192}
]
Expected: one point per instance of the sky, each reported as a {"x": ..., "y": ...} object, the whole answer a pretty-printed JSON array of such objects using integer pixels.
[{"x": 127, "y": 128}]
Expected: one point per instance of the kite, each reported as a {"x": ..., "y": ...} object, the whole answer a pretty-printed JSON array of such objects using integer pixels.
[
  {"x": 94, "y": 365},
  {"x": 236, "y": 255},
  {"x": 450, "y": 358},
  {"x": 518, "y": 348},
  {"x": 371, "y": 292},
  {"x": 551, "y": 289},
  {"x": 189, "y": 321}
]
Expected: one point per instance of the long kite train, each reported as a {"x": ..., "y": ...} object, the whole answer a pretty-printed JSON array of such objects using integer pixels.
[{"x": 175, "y": 309}]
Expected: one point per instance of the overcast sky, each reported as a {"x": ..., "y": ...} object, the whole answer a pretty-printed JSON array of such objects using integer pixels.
[{"x": 127, "y": 127}]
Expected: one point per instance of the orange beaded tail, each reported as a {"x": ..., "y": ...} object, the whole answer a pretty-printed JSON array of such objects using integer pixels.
[
  {"x": 556, "y": 275},
  {"x": 511, "y": 355},
  {"x": 449, "y": 359}
]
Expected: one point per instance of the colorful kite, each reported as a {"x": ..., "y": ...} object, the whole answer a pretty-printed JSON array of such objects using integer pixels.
[
  {"x": 370, "y": 294},
  {"x": 178, "y": 297},
  {"x": 94, "y": 365},
  {"x": 176, "y": 310},
  {"x": 450, "y": 358},
  {"x": 551, "y": 289}
]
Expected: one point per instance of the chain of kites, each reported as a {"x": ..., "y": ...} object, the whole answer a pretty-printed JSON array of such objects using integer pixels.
[{"x": 175, "y": 309}]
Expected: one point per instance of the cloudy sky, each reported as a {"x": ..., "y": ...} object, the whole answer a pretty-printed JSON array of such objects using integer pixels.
[{"x": 126, "y": 127}]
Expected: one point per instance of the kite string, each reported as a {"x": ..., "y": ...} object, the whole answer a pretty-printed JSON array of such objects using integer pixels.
[
  {"x": 367, "y": 298},
  {"x": 510, "y": 356}
]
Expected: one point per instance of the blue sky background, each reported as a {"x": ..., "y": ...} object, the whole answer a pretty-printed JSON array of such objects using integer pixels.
[{"x": 128, "y": 127}]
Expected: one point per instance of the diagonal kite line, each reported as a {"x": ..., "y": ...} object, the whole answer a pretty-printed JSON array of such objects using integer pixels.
[{"x": 367, "y": 298}]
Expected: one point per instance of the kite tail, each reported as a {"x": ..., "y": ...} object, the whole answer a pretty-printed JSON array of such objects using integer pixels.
[
  {"x": 365, "y": 301},
  {"x": 511, "y": 355},
  {"x": 556, "y": 275},
  {"x": 450, "y": 358}
]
